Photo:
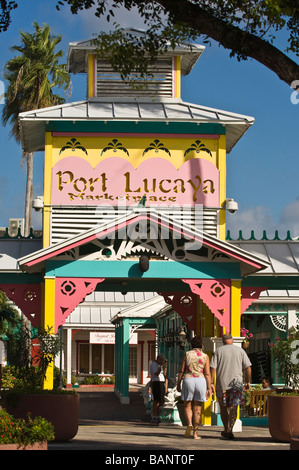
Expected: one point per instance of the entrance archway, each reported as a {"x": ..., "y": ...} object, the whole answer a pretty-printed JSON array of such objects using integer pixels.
[{"x": 183, "y": 264}]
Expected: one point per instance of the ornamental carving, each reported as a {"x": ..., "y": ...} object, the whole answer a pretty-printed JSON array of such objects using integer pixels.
[
  {"x": 215, "y": 294},
  {"x": 69, "y": 293},
  {"x": 28, "y": 298},
  {"x": 249, "y": 295},
  {"x": 185, "y": 305}
]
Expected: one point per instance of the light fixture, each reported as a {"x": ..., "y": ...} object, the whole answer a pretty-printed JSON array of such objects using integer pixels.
[
  {"x": 183, "y": 337},
  {"x": 38, "y": 203},
  {"x": 144, "y": 263},
  {"x": 231, "y": 206}
]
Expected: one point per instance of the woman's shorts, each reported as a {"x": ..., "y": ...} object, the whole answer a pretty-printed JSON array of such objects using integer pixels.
[
  {"x": 194, "y": 389},
  {"x": 158, "y": 389}
]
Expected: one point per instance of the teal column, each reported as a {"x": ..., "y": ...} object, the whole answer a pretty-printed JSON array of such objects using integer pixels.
[
  {"x": 117, "y": 358},
  {"x": 125, "y": 362},
  {"x": 122, "y": 338}
]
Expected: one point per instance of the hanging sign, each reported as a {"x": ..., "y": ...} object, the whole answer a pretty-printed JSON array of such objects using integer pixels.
[{"x": 106, "y": 337}]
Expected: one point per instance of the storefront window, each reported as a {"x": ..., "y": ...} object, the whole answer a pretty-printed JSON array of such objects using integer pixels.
[
  {"x": 83, "y": 358},
  {"x": 108, "y": 358},
  {"x": 133, "y": 362},
  {"x": 152, "y": 352},
  {"x": 96, "y": 358}
]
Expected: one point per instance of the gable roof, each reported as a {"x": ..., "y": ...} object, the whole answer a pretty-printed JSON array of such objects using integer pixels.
[
  {"x": 170, "y": 110},
  {"x": 249, "y": 263},
  {"x": 145, "y": 309},
  {"x": 76, "y": 58},
  {"x": 282, "y": 255}
]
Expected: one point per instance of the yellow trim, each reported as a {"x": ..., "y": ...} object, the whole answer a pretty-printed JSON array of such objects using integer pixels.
[
  {"x": 90, "y": 76},
  {"x": 177, "y": 77},
  {"x": 222, "y": 185},
  {"x": 206, "y": 417},
  {"x": 47, "y": 188},
  {"x": 48, "y": 321},
  {"x": 135, "y": 146},
  {"x": 235, "y": 315},
  {"x": 208, "y": 322}
]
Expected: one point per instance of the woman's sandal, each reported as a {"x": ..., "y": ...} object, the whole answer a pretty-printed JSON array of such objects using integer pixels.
[{"x": 188, "y": 431}]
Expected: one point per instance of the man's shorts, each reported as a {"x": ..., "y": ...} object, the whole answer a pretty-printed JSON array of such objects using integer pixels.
[
  {"x": 232, "y": 397},
  {"x": 158, "y": 389}
]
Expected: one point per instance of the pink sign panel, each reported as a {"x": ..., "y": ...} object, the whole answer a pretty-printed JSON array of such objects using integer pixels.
[{"x": 114, "y": 179}]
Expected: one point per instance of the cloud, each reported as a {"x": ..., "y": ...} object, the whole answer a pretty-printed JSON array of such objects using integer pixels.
[
  {"x": 91, "y": 24},
  {"x": 290, "y": 217},
  {"x": 260, "y": 218},
  {"x": 254, "y": 218}
]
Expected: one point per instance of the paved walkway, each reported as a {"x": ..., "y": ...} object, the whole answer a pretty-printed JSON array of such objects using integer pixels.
[{"x": 108, "y": 426}]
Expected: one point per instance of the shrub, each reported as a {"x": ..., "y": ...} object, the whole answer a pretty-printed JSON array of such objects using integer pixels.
[
  {"x": 30, "y": 370},
  {"x": 98, "y": 380},
  {"x": 110, "y": 380},
  {"x": 24, "y": 432},
  {"x": 9, "y": 378},
  {"x": 285, "y": 352},
  {"x": 94, "y": 380}
]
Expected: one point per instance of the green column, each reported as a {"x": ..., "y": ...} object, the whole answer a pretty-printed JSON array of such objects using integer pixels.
[
  {"x": 122, "y": 337},
  {"x": 117, "y": 357},
  {"x": 125, "y": 362}
]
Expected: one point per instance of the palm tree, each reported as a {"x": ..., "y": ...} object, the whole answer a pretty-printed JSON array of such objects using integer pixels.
[
  {"x": 8, "y": 314},
  {"x": 32, "y": 76}
]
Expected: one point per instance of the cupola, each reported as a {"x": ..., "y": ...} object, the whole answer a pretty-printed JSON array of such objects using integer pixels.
[{"x": 102, "y": 81}]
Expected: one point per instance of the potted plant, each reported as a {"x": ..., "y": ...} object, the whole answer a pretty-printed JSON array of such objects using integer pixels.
[
  {"x": 24, "y": 434},
  {"x": 284, "y": 404},
  {"x": 247, "y": 337},
  {"x": 59, "y": 406}
]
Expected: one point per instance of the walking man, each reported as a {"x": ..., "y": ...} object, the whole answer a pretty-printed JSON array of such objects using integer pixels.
[
  {"x": 229, "y": 362},
  {"x": 158, "y": 372}
]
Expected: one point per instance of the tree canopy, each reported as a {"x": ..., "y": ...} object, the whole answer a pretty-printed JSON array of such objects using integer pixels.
[
  {"x": 32, "y": 76},
  {"x": 8, "y": 314},
  {"x": 245, "y": 27}
]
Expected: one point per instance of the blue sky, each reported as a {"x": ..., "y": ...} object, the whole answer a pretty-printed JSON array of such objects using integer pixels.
[{"x": 263, "y": 168}]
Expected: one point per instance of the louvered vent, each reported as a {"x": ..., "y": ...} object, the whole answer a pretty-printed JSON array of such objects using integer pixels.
[
  {"x": 109, "y": 82},
  {"x": 67, "y": 222}
]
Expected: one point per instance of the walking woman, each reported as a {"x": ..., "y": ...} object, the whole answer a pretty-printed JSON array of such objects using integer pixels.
[{"x": 196, "y": 388}]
